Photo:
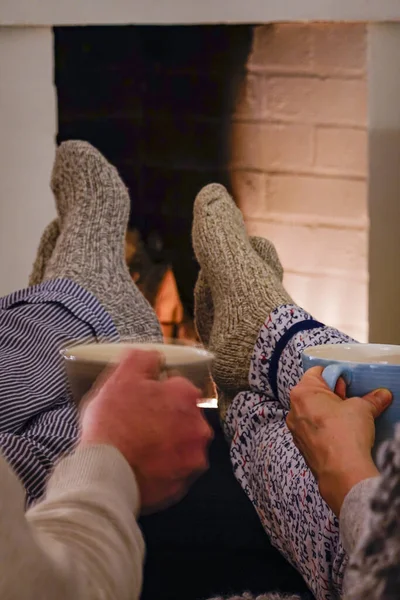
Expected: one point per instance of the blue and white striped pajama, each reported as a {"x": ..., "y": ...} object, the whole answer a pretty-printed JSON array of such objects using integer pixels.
[{"x": 38, "y": 420}]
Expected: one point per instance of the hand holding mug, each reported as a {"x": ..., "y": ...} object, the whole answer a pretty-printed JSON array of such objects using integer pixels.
[
  {"x": 335, "y": 435},
  {"x": 156, "y": 425},
  {"x": 362, "y": 368}
]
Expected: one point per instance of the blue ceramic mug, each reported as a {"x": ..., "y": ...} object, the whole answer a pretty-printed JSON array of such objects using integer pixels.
[{"x": 364, "y": 368}]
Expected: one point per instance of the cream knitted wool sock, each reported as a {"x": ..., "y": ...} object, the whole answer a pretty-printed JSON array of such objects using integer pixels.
[
  {"x": 46, "y": 247},
  {"x": 204, "y": 308},
  {"x": 93, "y": 207},
  {"x": 244, "y": 288}
]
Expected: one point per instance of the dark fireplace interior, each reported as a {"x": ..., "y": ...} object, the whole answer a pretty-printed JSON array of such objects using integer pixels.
[{"x": 158, "y": 103}]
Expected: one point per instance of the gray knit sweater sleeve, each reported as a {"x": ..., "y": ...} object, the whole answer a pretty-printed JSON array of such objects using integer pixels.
[
  {"x": 355, "y": 511},
  {"x": 374, "y": 567}
]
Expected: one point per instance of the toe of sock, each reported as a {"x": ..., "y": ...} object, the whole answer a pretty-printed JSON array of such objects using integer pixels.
[
  {"x": 216, "y": 218},
  {"x": 74, "y": 158},
  {"x": 82, "y": 176},
  {"x": 208, "y": 195},
  {"x": 214, "y": 202},
  {"x": 77, "y": 150}
]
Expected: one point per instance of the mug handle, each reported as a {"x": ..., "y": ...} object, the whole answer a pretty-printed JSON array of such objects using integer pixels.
[{"x": 332, "y": 373}]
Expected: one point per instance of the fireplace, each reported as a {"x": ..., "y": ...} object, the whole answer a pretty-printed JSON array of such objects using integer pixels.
[
  {"x": 318, "y": 64},
  {"x": 277, "y": 113},
  {"x": 159, "y": 103}
]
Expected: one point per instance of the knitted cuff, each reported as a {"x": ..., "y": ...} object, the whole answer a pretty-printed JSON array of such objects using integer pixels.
[{"x": 94, "y": 466}]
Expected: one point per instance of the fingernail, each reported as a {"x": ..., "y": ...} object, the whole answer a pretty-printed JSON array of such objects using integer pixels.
[{"x": 383, "y": 395}]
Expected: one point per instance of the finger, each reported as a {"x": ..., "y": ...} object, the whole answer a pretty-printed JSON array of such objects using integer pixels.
[
  {"x": 182, "y": 388},
  {"x": 172, "y": 373},
  {"x": 313, "y": 377},
  {"x": 168, "y": 493},
  {"x": 102, "y": 378},
  {"x": 95, "y": 389},
  {"x": 378, "y": 401},
  {"x": 194, "y": 465},
  {"x": 207, "y": 430},
  {"x": 196, "y": 474},
  {"x": 290, "y": 421},
  {"x": 340, "y": 389},
  {"x": 143, "y": 363}
]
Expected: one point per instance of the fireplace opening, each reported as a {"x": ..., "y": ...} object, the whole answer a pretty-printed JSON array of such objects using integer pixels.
[
  {"x": 276, "y": 113},
  {"x": 158, "y": 102}
]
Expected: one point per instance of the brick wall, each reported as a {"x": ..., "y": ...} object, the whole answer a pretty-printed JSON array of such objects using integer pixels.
[{"x": 299, "y": 163}]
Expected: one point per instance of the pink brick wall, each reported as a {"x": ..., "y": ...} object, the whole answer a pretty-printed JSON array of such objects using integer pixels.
[{"x": 299, "y": 163}]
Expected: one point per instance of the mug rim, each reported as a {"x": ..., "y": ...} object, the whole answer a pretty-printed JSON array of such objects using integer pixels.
[
  {"x": 202, "y": 355},
  {"x": 310, "y": 353}
]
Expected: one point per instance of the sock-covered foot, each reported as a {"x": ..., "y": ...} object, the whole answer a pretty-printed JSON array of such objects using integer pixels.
[
  {"x": 204, "y": 308},
  {"x": 244, "y": 288},
  {"x": 46, "y": 247},
  {"x": 203, "y": 304},
  {"x": 93, "y": 206}
]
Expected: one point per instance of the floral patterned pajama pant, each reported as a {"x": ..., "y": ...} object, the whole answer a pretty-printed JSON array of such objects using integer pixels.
[{"x": 268, "y": 465}]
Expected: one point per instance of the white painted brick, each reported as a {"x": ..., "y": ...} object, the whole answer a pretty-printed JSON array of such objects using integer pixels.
[
  {"x": 272, "y": 146},
  {"x": 251, "y": 99},
  {"x": 315, "y": 100},
  {"x": 246, "y": 146},
  {"x": 249, "y": 191},
  {"x": 339, "y": 47},
  {"x": 281, "y": 46},
  {"x": 318, "y": 197},
  {"x": 327, "y": 299},
  {"x": 287, "y": 147},
  {"x": 316, "y": 249},
  {"x": 293, "y": 174},
  {"x": 341, "y": 150}
]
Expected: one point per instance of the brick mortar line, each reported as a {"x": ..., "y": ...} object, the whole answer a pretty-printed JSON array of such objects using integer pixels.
[
  {"x": 291, "y": 73},
  {"x": 321, "y": 174},
  {"x": 298, "y": 220},
  {"x": 280, "y": 120},
  {"x": 267, "y": 121},
  {"x": 328, "y": 274}
]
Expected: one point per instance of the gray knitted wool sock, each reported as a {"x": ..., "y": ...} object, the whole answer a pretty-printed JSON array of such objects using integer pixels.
[
  {"x": 374, "y": 569},
  {"x": 244, "y": 288},
  {"x": 203, "y": 304},
  {"x": 204, "y": 308},
  {"x": 93, "y": 206},
  {"x": 46, "y": 247}
]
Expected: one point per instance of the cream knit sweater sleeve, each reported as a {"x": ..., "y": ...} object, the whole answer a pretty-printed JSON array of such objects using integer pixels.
[{"x": 82, "y": 542}]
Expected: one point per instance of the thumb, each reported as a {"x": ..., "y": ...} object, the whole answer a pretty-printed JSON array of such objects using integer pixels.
[
  {"x": 141, "y": 362},
  {"x": 378, "y": 401}
]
